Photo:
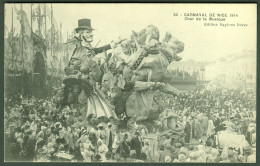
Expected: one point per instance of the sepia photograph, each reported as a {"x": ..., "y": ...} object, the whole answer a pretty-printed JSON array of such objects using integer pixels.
[{"x": 130, "y": 82}]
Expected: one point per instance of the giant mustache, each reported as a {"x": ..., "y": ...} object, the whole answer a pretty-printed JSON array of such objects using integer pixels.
[{"x": 85, "y": 39}]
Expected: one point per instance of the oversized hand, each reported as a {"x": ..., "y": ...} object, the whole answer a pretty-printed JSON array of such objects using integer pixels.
[
  {"x": 159, "y": 85},
  {"x": 119, "y": 41}
]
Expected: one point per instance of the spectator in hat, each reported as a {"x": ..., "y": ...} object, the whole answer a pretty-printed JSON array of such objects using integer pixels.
[
  {"x": 102, "y": 149},
  {"x": 167, "y": 141},
  {"x": 70, "y": 120},
  {"x": 34, "y": 124},
  {"x": 187, "y": 131},
  {"x": 124, "y": 148},
  {"x": 40, "y": 135},
  {"x": 136, "y": 144},
  {"x": 101, "y": 133},
  {"x": 69, "y": 138},
  {"x": 115, "y": 144},
  {"x": 217, "y": 123},
  {"x": 147, "y": 149},
  {"x": 109, "y": 136}
]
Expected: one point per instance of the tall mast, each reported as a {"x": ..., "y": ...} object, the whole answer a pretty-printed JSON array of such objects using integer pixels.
[
  {"x": 60, "y": 32},
  {"x": 12, "y": 48},
  {"x": 52, "y": 38},
  {"x": 51, "y": 30},
  {"x": 12, "y": 38},
  {"x": 60, "y": 68},
  {"x": 45, "y": 29},
  {"x": 22, "y": 31},
  {"x": 39, "y": 20},
  {"x": 32, "y": 44},
  {"x": 60, "y": 48}
]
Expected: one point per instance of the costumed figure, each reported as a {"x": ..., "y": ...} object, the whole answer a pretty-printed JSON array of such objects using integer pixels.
[{"x": 82, "y": 75}]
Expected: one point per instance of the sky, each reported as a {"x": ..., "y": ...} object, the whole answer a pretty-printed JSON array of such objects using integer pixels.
[{"x": 202, "y": 43}]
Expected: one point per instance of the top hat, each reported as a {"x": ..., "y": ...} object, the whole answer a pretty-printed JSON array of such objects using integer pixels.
[{"x": 84, "y": 24}]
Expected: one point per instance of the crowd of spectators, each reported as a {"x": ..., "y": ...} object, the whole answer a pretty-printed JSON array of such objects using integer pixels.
[
  {"x": 35, "y": 130},
  {"x": 180, "y": 75}
]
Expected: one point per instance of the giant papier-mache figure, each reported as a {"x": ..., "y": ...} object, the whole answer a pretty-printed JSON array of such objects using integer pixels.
[
  {"x": 82, "y": 74},
  {"x": 138, "y": 72},
  {"x": 145, "y": 68}
]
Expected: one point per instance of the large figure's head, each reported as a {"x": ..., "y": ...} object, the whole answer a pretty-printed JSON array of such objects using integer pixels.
[
  {"x": 84, "y": 30},
  {"x": 126, "y": 47},
  {"x": 172, "y": 46},
  {"x": 86, "y": 35},
  {"x": 173, "y": 43},
  {"x": 149, "y": 33}
]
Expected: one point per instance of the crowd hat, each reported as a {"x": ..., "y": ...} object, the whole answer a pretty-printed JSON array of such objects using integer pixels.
[
  {"x": 84, "y": 132},
  {"x": 100, "y": 124},
  {"x": 83, "y": 24},
  {"x": 58, "y": 125},
  {"x": 172, "y": 114},
  {"x": 109, "y": 124},
  {"x": 137, "y": 133}
]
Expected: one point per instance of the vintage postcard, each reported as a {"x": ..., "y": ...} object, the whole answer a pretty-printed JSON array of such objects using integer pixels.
[{"x": 137, "y": 82}]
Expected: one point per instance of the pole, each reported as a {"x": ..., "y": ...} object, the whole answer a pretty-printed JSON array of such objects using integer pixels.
[
  {"x": 60, "y": 69},
  {"x": 22, "y": 31},
  {"x": 12, "y": 49},
  {"x": 60, "y": 48},
  {"x": 51, "y": 30},
  {"x": 60, "y": 32},
  {"x": 51, "y": 35},
  {"x": 12, "y": 38},
  {"x": 39, "y": 20},
  {"x": 45, "y": 29},
  {"x": 32, "y": 49},
  {"x": 245, "y": 76}
]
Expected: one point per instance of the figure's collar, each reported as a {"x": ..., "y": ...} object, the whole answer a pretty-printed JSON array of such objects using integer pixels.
[{"x": 86, "y": 44}]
